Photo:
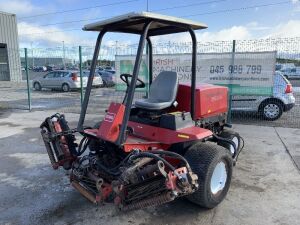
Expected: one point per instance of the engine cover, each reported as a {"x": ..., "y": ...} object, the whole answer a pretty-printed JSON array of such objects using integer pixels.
[{"x": 210, "y": 100}]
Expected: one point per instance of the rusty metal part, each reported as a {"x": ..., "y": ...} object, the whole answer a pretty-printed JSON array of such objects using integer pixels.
[
  {"x": 161, "y": 168},
  {"x": 129, "y": 173},
  {"x": 156, "y": 168},
  {"x": 187, "y": 185},
  {"x": 98, "y": 180},
  {"x": 49, "y": 150},
  {"x": 157, "y": 200},
  {"x": 57, "y": 146},
  {"x": 84, "y": 192}
]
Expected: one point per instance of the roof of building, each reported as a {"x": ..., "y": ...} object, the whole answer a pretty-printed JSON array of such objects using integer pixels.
[
  {"x": 8, "y": 14},
  {"x": 134, "y": 22}
]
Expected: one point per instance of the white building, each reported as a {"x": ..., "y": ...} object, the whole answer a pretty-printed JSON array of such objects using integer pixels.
[{"x": 10, "y": 64}]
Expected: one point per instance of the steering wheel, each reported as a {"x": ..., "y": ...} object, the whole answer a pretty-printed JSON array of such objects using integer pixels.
[{"x": 124, "y": 77}]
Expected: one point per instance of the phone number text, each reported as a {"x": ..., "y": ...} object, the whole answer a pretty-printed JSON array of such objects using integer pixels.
[{"x": 236, "y": 69}]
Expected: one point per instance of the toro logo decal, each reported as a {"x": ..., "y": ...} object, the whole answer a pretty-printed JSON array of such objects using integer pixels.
[{"x": 109, "y": 117}]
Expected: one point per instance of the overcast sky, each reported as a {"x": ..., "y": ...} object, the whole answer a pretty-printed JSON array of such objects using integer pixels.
[{"x": 62, "y": 20}]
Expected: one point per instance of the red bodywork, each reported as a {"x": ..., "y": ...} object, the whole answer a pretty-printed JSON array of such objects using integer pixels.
[
  {"x": 110, "y": 126},
  {"x": 144, "y": 136},
  {"x": 210, "y": 100},
  {"x": 162, "y": 136}
]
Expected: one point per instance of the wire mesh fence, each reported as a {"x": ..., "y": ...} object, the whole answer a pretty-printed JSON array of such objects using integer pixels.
[{"x": 57, "y": 83}]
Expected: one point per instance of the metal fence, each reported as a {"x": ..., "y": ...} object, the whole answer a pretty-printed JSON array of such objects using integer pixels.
[{"x": 246, "y": 109}]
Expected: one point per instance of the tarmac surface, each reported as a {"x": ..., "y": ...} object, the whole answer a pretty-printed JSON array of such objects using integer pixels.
[{"x": 264, "y": 189}]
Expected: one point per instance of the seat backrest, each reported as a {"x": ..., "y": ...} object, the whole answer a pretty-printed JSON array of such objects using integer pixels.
[{"x": 164, "y": 87}]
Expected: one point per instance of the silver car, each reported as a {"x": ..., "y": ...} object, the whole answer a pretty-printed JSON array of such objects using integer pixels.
[
  {"x": 291, "y": 73},
  {"x": 64, "y": 80},
  {"x": 97, "y": 81},
  {"x": 270, "y": 107}
]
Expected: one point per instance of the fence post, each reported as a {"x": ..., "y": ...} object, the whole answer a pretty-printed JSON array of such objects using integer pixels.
[
  {"x": 230, "y": 85},
  {"x": 27, "y": 80},
  {"x": 80, "y": 71}
]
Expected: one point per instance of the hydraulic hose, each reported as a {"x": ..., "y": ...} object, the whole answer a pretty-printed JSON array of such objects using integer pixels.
[
  {"x": 228, "y": 141},
  {"x": 174, "y": 154},
  {"x": 241, "y": 148},
  {"x": 111, "y": 170},
  {"x": 108, "y": 170},
  {"x": 122, "y": 162},
  {"x": 83, "y": 146}
]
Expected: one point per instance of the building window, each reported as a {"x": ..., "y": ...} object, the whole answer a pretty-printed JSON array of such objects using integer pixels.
[{"x": 4, "y": 70}]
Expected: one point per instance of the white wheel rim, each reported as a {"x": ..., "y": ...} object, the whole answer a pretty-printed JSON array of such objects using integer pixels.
[
  {"x": 36, "y": 86},
  {"x": 271, "y": 110},
  {"x": 65, "y": 87},
  {"x": 218, "y": 178},
  {"x": 236, "y": 142}
]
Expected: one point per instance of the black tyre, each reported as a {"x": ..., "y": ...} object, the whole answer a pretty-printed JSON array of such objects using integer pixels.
[
  {"x": 213, "y": 165},
  {"x": 65, "y": 88},
  {"x": 37, "y": 86},
  {"x": 271, "y": 109},
  {"x": 233, "y": 136}
]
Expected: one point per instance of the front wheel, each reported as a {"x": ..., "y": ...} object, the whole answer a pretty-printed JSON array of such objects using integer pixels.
[
  {"x": 213, "y": 165},
  {"x": 65, "y": 88},
  {"x": 37, "y": 86}
]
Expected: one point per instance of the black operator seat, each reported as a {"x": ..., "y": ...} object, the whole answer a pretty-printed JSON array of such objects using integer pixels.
[{"x": 162, "y": 92}]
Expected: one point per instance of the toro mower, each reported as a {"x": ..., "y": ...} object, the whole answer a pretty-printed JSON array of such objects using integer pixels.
[{"x": 146, "y": 152}]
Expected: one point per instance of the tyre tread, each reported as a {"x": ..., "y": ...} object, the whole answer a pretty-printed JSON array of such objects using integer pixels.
[{"x": 200, "y": 156}]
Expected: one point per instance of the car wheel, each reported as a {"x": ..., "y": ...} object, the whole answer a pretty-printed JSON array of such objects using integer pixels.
[
  {"x": 37, "y": 86},
  {"x": 104, "y": 84},
  {"x": 213, "y": 165},
  {"x": 271, "y": 110},
  {"x": 233, "y": 136},
  {"x": 65, "y": 88}
]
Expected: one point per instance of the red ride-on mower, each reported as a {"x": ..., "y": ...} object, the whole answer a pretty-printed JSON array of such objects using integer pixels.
[{"x": 168, "y": 145}]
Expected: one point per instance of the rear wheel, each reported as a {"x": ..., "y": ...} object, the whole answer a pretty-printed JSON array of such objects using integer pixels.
[
  {"x": 271, "y": 109},
  {"x": 65, "y": 88},
  {"x": 233, "y": 136},
  {"x": 213, "y": 165}
]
